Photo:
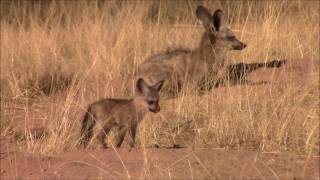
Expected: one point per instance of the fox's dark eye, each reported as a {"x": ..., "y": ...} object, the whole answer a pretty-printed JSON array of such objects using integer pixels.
[
  {"x": 231, "y": 38},
  {"x": 150, "y": 102},
  {"x": 212, "y": 29}
]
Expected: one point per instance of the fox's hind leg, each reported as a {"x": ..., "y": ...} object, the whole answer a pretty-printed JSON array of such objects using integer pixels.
[
  {"x": 99, "y": 139},
  {"x": 121, "y": 135}
]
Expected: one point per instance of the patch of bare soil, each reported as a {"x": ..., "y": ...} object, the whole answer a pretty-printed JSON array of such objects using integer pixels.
[{"x": 158, "y": 164}]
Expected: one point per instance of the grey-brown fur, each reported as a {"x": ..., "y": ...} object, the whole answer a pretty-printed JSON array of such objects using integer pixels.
[
  {"x": 186, "y": 67},
  {"x": 124, "y": 114}
]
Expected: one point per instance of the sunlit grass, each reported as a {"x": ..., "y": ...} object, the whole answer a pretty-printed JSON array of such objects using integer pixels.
[{"x": 93, "y": 48}]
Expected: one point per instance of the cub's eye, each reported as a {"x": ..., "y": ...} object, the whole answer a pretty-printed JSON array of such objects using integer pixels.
[
  {"x": 150, "y": 102},
  {"x": 212, "y": 29},
  {"x": 231, "y": 38}
]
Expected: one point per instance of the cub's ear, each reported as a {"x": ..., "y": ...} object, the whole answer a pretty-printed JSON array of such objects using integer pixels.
[
  {"x": 158, "y": 86},
  {"x": 204, "y": 16},
  {"x": 141, "y": 87},
  {"x": 218, "y": 19}
]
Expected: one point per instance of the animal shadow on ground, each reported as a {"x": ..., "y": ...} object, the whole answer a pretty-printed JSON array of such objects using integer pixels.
[{"x": 236, "y": 74}]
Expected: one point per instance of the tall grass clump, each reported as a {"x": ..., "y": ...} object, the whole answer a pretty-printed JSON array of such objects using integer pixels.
[{"x": 58, "y": 56}]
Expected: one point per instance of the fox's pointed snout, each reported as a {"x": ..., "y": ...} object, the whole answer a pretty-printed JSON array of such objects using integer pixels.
[
  {"x": 239, "y": 46},
  {"x": 244, "y": 45},
  {"x": 155, "y": 110}
]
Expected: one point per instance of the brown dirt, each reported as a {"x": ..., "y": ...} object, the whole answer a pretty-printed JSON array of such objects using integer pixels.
[
  {"x": 153, "y": 163},
  {"x": 158, "y": 163}
]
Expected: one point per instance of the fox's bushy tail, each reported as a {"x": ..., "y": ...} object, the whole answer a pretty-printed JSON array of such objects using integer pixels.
[{"x": 87, "y": 128}]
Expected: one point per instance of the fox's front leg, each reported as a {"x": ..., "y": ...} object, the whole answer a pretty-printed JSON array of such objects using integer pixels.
[
  {"x": 133, "y": 130},
  {"x": 177, "y": 87},
  {"x": 121, "y": 135},
  {"x": 206, "y": 83}
]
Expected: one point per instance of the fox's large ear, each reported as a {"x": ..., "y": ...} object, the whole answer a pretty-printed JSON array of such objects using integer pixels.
[
  {"x": 218, "y": 19},
  {"x": 141, "y": 87},
  {"x": 158, "y": 86},
  {"x": 204, "y": 16}
]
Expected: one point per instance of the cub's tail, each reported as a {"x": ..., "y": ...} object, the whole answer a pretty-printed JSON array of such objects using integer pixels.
[{"x": 87, "y": 128}]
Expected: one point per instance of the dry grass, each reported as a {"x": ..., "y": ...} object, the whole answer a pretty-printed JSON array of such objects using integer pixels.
[{"x": 55, "y": 62}]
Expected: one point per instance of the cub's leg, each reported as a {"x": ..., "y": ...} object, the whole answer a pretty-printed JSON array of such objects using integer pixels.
[
  {"x": 121, "y": 135},
  {"x": 99, "y": 139},
  {"x": 133, "y": 130}
]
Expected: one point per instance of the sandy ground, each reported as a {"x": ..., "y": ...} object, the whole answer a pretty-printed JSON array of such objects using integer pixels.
[
  {"x": 158, "y": 164},
  {"x": 161, "y": 163}
]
